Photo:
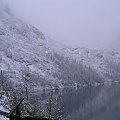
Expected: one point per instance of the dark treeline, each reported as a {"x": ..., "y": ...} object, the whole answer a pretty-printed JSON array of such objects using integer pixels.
[{"x": 72, "y": 71}]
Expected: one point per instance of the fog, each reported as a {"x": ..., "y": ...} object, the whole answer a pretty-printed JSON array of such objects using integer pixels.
[{"x": 88, "y": 23}]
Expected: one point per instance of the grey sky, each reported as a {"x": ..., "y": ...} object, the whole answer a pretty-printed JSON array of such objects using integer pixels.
[{"x": 88, "y": 23}]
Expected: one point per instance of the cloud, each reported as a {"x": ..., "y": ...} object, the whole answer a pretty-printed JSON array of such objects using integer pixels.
[
  {"x": 4, "y": 8},
  {"x": 88, "y": 23}
]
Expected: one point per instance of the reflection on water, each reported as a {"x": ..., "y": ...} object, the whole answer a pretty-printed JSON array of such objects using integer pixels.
[{"x": 92, "y": 103}]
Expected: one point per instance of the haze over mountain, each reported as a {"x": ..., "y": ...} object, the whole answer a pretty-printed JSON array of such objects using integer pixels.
[
  {"x": 29, "y": 59},
  {"x": 24, "y": 45},
  {"x": 91, "y": 24}
]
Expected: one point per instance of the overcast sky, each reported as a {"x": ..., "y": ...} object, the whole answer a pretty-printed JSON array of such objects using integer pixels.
[{"x": 88, "y": 23}]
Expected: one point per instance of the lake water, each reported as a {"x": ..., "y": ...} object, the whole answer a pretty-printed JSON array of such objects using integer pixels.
[{"x": 92, "y": 103}]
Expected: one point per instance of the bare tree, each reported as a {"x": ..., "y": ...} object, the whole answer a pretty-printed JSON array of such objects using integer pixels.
[{"x": 26, "y": 80}]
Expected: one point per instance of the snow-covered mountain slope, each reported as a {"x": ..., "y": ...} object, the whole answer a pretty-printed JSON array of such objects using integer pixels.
[
  {"x": 24, "y": 46},
  {"x": 103, "y": 62}
]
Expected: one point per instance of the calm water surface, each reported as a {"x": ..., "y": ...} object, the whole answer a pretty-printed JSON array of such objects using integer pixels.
[{"x": 92, "y": 103}]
